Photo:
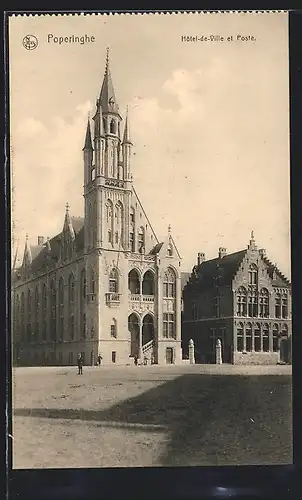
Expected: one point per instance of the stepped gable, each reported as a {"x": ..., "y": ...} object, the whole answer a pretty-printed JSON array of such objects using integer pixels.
[{"x": 279, "y": 280}]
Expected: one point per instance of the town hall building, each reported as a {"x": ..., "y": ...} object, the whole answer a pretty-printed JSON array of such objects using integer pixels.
[
  {"x": 105, "y": 285},
  {"x": 243, "y": 300}
]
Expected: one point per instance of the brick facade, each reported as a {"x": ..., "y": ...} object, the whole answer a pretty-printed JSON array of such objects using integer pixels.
[{"x": 243, "y": 300}]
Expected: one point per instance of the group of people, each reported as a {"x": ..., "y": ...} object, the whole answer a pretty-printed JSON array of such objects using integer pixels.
[{"x": 80, "y": 362}]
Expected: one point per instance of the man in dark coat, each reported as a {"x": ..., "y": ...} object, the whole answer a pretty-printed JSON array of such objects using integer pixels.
[{"x": 80, "y": 364}]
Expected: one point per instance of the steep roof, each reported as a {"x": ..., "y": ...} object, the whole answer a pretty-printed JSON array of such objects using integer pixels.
[
  {"x": 40, "y": 253},
  {"x": 156, "y": 248},
  {"x": 107, "y": 96},
  {"x": 225, "y": 268},
  {"x": 184, "y": 276}
]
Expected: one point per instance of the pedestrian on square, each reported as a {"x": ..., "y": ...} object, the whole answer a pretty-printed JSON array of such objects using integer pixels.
[
  {"x": 99, "y": 360},
  {"x": 135, "y": 360},
  {"x": 80, "y": 364}
]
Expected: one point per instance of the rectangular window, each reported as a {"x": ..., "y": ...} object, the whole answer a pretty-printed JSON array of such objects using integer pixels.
[
  {"x": 132, "y": 218},
  {"x": 109, "y": 236},
  {"x": 284, "y": 307},
  {"x": 168, "y": 325},
  {"x": 113, "y": 331},
  {"x": 113, "y": 356},
  {"x": 116, "y": 237}
]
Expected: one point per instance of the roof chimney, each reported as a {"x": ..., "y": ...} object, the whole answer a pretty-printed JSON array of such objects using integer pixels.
[
  {"x": 201, "y": 257},
  {"x": 40, "y": 240},
  {"x": 222, "y": 252}
]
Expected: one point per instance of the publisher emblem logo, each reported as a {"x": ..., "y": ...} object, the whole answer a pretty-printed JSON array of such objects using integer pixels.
[{"x": 30, "y": 42}]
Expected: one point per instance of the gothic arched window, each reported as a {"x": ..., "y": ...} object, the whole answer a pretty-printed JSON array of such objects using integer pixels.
[
  {"x": 29, "y": 316},
  {"x": 44, "y": 312},
  {"x": 278, "y": 305},
  {"x": 37, "y": 313},
  {"x": 253, "y": 274},
  {"x": 112, "y": 127},
  {"x": 134, "y": 282},
  {"x": 71, "y": 289},
  {"x": 113, "y": 328},
  {"x": 248, "y": 337},
  {"x": 82, "y": 304},
  {"x": 92, "y": 282},
  {"x": 53, "y": 309},
  {"x": 169, "y": 283},
  {"x": 148, "y": 283},
  {"x": 113, "y": 281},
  {"x": 275, "y": 337},
  {"x": 241, "y": 301},
  {"x": 119, "y": 211},
  {"x": 265, "y": 333},
  {"x": 141, "y": 239},
  {"x": 253, "y": 303},
  {"x": 61, "y": 308},
  {"x": 240, "y": 337},
  {"x": 264, "y": 303},
  {"x": 257, "y": 337},
  {"x": 109, "y": 220},
  {"x": 22, "y": 317},
  {"x": 284, "y": 306}
]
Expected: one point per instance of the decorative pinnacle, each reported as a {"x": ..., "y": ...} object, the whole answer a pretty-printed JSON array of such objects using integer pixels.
[
  {"x": 26, "y": 237},
  {"x": 67, "y": 207},
  {"x": 252, "y": 235},
  {"x": 169, "y": 228},
  {"x": 107, "y": 60}
]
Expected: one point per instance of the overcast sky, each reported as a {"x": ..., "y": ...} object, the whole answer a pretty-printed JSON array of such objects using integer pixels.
[{"x": 209, "y": 123}]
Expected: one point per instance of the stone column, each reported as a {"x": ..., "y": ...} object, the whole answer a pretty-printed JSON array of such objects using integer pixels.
[
  {"x": 140, "y": 346},
  {"x": 218, "y": 352},
  {"x": 191, "y": 352}
]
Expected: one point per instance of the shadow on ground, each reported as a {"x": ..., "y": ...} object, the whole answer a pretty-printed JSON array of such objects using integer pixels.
[{"x": 211, "y": 419}]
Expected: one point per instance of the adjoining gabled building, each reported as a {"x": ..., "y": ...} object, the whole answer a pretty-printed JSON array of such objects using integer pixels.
[
  {"x": 105, "y": 285},
  {"x": 244, "y": 300}
]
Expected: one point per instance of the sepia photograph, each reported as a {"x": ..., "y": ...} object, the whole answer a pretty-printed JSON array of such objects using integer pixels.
[{"x": 150, "y": 213}]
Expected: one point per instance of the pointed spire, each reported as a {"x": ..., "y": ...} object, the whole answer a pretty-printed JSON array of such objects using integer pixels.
[
  {"x": 27, "y": 258},
  {"x": 126, "y": 138},
  {"x": 107, "y": 96},
  {"x": 68, "y": 222},
  {"x": 88, "y": 141}
]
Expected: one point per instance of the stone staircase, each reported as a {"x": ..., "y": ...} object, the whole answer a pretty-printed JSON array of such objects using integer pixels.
[{"x": 148, "y": 351}]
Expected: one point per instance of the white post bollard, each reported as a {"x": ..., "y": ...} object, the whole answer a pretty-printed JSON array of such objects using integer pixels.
[
  {"x": 218, "y": 352},
  {"x": 191, "y": 352}
]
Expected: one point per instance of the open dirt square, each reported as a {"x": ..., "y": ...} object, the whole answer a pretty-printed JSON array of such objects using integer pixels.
[{"x": 151, "y": 416}]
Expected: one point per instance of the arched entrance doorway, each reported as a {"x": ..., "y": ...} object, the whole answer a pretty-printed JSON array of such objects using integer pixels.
[
  {"x": 148, "y": 329},
  {"x": 133, "y": 327}
]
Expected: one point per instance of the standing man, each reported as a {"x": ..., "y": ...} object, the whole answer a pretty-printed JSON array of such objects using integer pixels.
[
  {"x": 80, "y": 364},
  {"x": 99, "y": 360}
]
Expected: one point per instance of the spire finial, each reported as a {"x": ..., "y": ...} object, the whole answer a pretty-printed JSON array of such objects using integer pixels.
[
  {"x": 67, "y": 207},
  {"x": 26, "y": 237},
  {"x": 252, "y": 235},
  {"x": 169, "y": 228},
  {"x": 107, "y": 60}
]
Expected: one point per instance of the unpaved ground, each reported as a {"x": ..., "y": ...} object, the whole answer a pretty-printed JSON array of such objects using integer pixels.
[{"x": 151, "y": 416}]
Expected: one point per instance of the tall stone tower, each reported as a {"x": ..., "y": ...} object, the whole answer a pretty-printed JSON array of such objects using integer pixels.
[{"x": 123, "y": 309}]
